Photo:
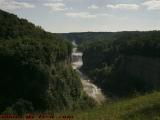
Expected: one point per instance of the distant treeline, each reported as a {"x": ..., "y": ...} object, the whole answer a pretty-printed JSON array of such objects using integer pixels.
[{"x": 84, "y": 39}]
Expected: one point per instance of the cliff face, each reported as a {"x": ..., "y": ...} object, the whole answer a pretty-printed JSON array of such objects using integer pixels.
[{"x": 143, "y": 68}]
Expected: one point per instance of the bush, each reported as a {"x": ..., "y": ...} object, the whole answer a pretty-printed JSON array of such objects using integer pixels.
[{"x": 21, "y": 107}]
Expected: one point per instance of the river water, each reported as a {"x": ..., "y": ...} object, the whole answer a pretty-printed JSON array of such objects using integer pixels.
[{"x": 91, "y": 89}]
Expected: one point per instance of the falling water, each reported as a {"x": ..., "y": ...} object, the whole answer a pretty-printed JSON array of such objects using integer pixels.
[{"x": 91, "y": 89}]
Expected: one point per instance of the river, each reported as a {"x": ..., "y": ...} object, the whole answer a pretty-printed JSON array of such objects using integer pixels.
[{"x": 91, "y": 89}]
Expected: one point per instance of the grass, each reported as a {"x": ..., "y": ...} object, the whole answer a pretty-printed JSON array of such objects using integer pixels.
[{"x": 145, "y": 107}]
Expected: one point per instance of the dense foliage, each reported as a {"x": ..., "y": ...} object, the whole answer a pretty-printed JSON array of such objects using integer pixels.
[
  {"x": 83, "y": 39},
  {"x": 35, "y": 70},
  {"x": 106, "y": 62}
]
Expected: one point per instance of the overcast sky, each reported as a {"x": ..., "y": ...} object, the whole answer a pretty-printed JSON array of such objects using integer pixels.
[{"x": 88, "y": 15}]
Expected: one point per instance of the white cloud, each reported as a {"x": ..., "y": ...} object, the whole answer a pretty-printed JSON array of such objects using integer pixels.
[
  {"x": 152, "y": 4},
  {"x": 105, "y": 15},
  {"x": 93, "y": 7},
  {"x": 88, "y": 15},
  {"x": 55, "y": 0},
  {"x": 80, "y": 15},
  {"x": 56, "y": 6},
  {"x": 124, "y": 6},
  {"x": 111, "y": 16},
  {"x": 13, "y": 4}
]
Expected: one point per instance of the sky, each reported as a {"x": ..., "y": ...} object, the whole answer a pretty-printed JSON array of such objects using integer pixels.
[{"x": 62, "y": 16}]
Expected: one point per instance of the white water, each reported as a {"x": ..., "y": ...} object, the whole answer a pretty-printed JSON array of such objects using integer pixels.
[{"x": 91, "y": 89}]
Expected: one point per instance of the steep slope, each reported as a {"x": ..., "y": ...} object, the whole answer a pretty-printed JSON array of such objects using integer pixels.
[
  {"x": 35, "y": 70},
  {"x": 145, "y": 107}
]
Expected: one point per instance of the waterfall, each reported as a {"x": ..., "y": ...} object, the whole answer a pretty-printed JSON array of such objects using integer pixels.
[{"x": 91, "y": 89}]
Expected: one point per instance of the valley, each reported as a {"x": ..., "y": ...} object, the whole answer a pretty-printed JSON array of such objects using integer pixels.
[{"x": 88, "y": 75}]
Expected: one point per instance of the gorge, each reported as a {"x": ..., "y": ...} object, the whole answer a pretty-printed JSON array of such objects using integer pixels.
[{"x": 91, "y": 89}]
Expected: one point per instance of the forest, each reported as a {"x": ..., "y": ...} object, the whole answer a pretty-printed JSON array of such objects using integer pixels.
[
  {"x": 118, "y": 63},
  {"x": 36, "y": 74},
  {"x": 126, "y": 66},
  {"x": 35, "y": 70}
]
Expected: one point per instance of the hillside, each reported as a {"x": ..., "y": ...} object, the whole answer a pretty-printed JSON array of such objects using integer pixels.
[
  {"x": 122, "y": 64},
  {"x": 83, "y": 39},
  {"x": 145, "y": 107},
  {"x": 35, "y": 70},
  {"x": 126, "y": 65},
  {"x": 36, "y": 75}
]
